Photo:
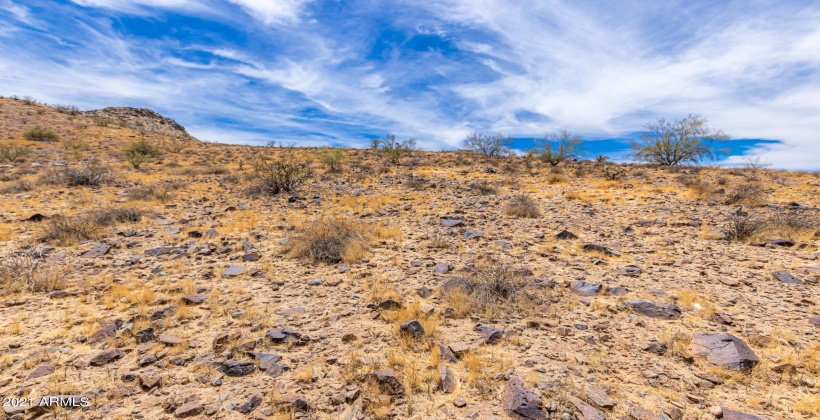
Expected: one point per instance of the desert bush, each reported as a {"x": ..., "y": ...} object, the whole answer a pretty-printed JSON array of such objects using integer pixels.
[
  {"x": 489, "y": 145},
  {"x": 88, "y": 225},
  {"x": 20, "y": 186},
  {"x": 21, "y": 272},
  {"x": 67, "y": 109},
  {"x": 792, "y": 224},
  {"x": 393, "y": 149},
  {"x": 556, "y": 148},
  {"x": 332, "y": 158},
  {"x": 484, "y": 187},
  {"x": 87, "y": 173},
  {"x": 102, "y": 121},
  {"x": 331, "y": 241},
  {"x": 601, "y": 158},
  {"x": 13, "y": 152},
  {"x": 40, "y": 133},
  {"x": 272, "y": 178},
  {"x": 742, "y": 226},
  {"x": 750, "y": 194},
  {"x": 613, "y": 172},
  {"x": 416, "y": 183},
  {"x": 140, "y": 151},
  {"x": 74, "y": 144},
  {"x": 673, "y": 143},
  {"x": 522, "y": 206},
  {"x": 492, "y": 288}
]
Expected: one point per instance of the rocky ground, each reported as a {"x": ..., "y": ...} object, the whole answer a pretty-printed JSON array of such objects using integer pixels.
[{"x": 474, "y": 288}]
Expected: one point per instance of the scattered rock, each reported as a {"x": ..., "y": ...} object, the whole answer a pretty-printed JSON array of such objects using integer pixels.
[
  {"x": 588, "y": 412},
  {"x": 195, "y": 299},
  {"x": 580, "y": 287},
  {"x": 653, "y": 309},
  {"x": 41, "y": 370},
  {"x": 447, "y": 382},
  {"x": 237, "y": 368},
  {"x": 724, "y": 350},
  {"x": 106, "y": 357},
  {"x": 489, "y": 334},
  {"x": 253, "y": 402},
  {"x": 97, "y": 251},
  {"x": 597, "y": 395},
  {"x": 565, "y": 234},
  {"x": 413, "y": 328},
  {"x": 729, "y": 414},
  {"x": 521, "y": 402},
  {"x": 189, "y": 409},
  {"x": 388, "y": 382},
  {"x": 787, "y": 277},
  {"x": 233, "y": 271}
]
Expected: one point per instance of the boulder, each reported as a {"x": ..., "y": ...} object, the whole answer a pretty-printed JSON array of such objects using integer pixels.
[
  {"x": 520, "y": 402},
  {"x": 106, "y": 357},
  {"x": 724, "y": 350},
  {"x": 412, "y": 328},
  {"x": 787, "y": 277},
  {"x": 388, "y": 381},
  {"x": 448, "y": 383},
  {"x": 588, "y": 412},
  {"x": 580, "y": 287}
]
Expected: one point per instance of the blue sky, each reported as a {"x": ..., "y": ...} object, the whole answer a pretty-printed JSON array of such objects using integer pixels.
[{"x": 340, "y": 72}]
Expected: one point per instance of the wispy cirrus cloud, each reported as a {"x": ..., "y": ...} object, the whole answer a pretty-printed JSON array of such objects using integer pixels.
[{"x": 328, "y": 72}]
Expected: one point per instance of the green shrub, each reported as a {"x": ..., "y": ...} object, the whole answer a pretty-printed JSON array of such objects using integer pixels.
[
  {"x": 13, "y": 152},
  {"x": 140, "y": 151},
  {"x": 393, "y": 149},
  {"x": 332, "y": 158},
  {"x": 40, "y": 133}
]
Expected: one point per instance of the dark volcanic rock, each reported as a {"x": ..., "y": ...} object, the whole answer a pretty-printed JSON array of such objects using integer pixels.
[
  {"x": 580, "y": 287},
  {"x": 283, "y": 335},
  {"x": 106, "y": 357},
  {"x": 448, "y": 380},
  {"x": 155, "y": 252},
  {"x": 630, "y": 271},
  {"x": 237, "y": 368},
  {"x": 106, "y": 332},
  {"x": 653, "y": 309},
  {"x": 521, "y": 402},
  {"x": 786, "y": 277},
  {"x": 195, "y": 299},
  {"x": 450, "y": 222},
  {"x": 413, "y": 328},
  {"x": 489, "y": 334},
  {"x": 388, "y": 381},
  {"x": 565, "y": 234},
  {"x": 601, "y": 248},
  {"x": 724, "y": 350},
  {"x": 97, "y": 251},
  {"x": 250, "y": 405}
]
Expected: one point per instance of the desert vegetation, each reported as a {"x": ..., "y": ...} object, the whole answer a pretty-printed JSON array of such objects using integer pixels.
[{"x": 234, "y": 281}]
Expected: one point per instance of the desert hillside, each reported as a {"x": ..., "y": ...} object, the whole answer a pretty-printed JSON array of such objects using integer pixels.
[{"x": 164, "y": 277}]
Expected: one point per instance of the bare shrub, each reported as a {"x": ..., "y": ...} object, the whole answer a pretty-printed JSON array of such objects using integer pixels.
[
  {"x": 489, "y": 145},
  {"x": 19, "y": 272},
  {"x": 793, "y": 224},
  {"x": 484, "y": 187},
  {"x": 20, "y": 186},
  {"x": 276, "y": 177},
  {"x": 613, "y": 172},
  {"x": 743, "y": 226},
  {"x": 750, "y": 194},
  {"x": 331, "y": 241},
  {"x": 522, "y": 206},
  {"x": 492, "y": 287},
  {"x": 87, "y": 173},
  {"x": 416, "y": 183}
]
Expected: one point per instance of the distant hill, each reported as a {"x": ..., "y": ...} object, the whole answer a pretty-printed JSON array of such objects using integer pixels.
[{"x": 140, "y": 119}]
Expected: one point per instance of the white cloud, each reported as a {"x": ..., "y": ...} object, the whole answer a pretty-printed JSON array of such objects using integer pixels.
[{"x": 273, "y": 11}]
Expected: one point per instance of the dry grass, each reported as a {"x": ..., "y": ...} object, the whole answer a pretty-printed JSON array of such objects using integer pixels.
[
  {"x": 493, "y": 288},
  {"x": 331, "y": 241},
  {"x": 21, "y": 273},
  {"x": 88, "y": 225},
  {"x": 522, "y": 206}
]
